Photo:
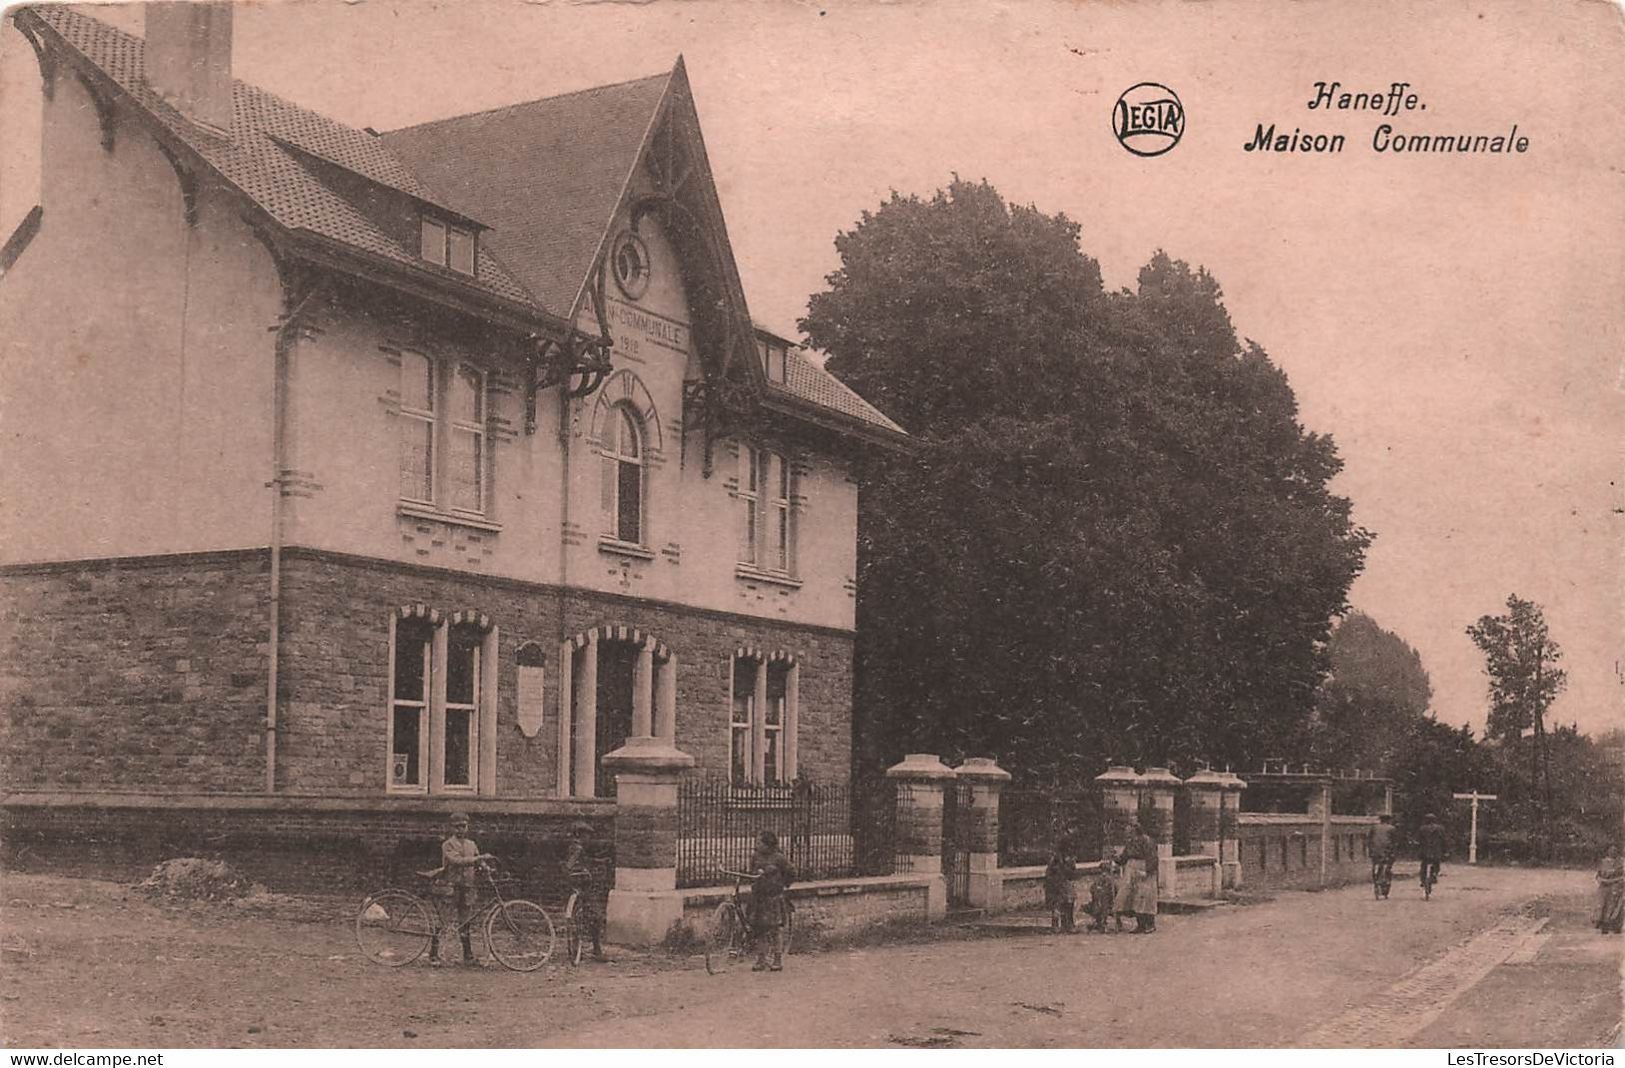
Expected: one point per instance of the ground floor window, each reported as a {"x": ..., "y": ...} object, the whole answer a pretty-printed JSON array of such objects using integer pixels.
[
  {"x": 763, "y": 722},
  {"x": 442, "y": 720}
]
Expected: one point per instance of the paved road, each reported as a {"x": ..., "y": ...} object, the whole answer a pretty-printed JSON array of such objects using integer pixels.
[
  {"x": 1323, "y": 969},
  {"x": 1498, "y": 958}
]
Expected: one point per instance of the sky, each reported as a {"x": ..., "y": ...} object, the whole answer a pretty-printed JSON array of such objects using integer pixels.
[{"x": 1454, "y": 322}]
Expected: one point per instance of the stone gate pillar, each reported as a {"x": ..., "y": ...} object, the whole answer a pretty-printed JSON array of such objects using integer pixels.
[
  {"x": 1161, "y": 784},
  {"x": 644, "y": 902},
  {"x": 1230, "y": 830},
  {"x": 986, "y": 779},
  {"x": 919, "y": 778},
  {"x": 1206, "y": 789},
  {"x": 1119, "y": 807}
]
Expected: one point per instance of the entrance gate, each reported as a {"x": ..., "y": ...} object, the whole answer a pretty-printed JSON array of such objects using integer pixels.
[{"x": 957, "y": 812}]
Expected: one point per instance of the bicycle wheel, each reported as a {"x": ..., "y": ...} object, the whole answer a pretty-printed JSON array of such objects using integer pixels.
[
  {"x": 573, "y": 941},
  {"x": 393, "y": 928},
  {"x": 519, "y": 935},
  {"x": 725, "y": 941}
]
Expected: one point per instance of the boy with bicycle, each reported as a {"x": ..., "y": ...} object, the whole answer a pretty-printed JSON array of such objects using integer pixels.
[
  {"x": 579, "y": 876},
  {"x": 769, "y": 905},
  {"x": 455, "y": 883}
]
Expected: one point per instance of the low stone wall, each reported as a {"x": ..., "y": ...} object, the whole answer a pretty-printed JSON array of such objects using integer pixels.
[
  {"x": 829, "y": 910},
  {"x": 288, "y": 843},
  {"x": 1024, "y": 886},
  {"x": 1286, "y": 850}
]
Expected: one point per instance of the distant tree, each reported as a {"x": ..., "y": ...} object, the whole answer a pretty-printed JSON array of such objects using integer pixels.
[
  {"x": 1370, "y": 701},
  {"x": 1116, "y": 539},
  {"x": 1521, "y": 661}
]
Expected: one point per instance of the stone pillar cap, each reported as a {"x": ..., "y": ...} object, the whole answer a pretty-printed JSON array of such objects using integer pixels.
[
  {"x": 1119, "y": 773},
  {"x": 1232, "y": 781},
  {"x": 647, "y": 754},
  {"x": 920, "y": 766},
  {"x": 1208, "y": 777},
  {"x": 1159, "y": 777},
  {"x": 982, "y": 769}
]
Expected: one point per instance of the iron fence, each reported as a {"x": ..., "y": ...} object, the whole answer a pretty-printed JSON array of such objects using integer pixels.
[
  {"x": 1032, "y": 821},
  {"x": 718, "y": 825}
]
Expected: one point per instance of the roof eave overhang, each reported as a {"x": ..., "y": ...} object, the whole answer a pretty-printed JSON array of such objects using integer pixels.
[
  {"x": 847, "y": 426},
  {"x": 322, "y": 251}
]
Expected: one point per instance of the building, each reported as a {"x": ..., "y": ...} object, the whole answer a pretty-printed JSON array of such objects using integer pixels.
[{"x": 353, "y": 477}]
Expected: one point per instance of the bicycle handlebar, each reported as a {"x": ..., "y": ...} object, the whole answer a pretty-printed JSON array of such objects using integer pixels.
[{"x": 739, "y": 874}]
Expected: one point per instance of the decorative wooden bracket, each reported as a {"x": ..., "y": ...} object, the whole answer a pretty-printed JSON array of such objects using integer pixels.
[
  {"x": 106, "y": 111},
  {"x": 720, "y": 408},
  {"x": 555, "y": 363},
  {"x": 188, "y": 179},
  {"x": 47, "y": 61}
]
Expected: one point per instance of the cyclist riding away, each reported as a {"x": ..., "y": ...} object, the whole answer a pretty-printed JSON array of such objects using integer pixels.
[
  {"x": 579, "y": 875},
  {"x": 1379, "y": 846},
  {"x": 1430, "y": 848},
  {"x": 455, "y": 883}
]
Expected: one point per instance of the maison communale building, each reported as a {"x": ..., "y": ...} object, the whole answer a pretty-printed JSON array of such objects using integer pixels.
[{"x": 354, "y": 477}]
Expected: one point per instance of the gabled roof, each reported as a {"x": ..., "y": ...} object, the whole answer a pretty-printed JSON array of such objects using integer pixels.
[
  {"x": 545, "y": 179},
  {"x": 268, "y": 174},
  {"x": 547, "y": 175}
]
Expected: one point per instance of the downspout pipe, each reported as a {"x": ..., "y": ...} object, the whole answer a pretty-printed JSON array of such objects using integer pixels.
[{"x": 286, "y": 335}]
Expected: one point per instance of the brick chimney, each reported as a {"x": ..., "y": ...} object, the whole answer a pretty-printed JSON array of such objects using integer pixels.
[{"x": 188, "y": 59}]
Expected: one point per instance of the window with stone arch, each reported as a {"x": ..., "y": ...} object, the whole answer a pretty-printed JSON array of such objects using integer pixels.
[
  {"x": 625, "y": 459},
  {"x": 441, "y": 727},
  {"x": 764, "y": 718}
]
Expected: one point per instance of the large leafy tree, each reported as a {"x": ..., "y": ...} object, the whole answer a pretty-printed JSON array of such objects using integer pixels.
[
  {"x": 1376, "y": 693},
  {"x": 1115, "y": 540}
]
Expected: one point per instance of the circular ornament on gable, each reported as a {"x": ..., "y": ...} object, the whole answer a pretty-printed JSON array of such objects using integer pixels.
[{"x": 629, "y": 260}]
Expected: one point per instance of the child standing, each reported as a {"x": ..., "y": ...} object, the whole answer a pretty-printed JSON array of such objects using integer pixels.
[{"x": 1102, "y": 893}]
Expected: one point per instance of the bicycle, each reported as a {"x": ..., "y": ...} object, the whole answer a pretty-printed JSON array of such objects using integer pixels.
[
  {"x": 731, "y": 936},
  {"x": 394, "y": 927},
  {"x": 1382, "y": 877}
]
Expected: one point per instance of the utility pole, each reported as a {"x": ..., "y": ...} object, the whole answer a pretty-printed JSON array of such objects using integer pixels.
[{"x": 1472, "y": 837}]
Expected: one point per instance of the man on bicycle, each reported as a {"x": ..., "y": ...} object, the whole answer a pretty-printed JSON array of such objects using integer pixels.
[
  {"x": 1430, "y": 848},
  {"x": 454, "y": 882},
  {"x": 580, "y": 877},
  {"x": 1379, "y": 846}
]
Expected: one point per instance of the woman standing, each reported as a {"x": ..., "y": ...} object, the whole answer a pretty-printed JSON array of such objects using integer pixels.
[{"x": 1137, "y": 891}]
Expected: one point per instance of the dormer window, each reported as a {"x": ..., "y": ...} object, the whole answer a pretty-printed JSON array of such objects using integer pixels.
[
  {"x": 448, "y": 246},
  {"x": 773, "y": 356}
]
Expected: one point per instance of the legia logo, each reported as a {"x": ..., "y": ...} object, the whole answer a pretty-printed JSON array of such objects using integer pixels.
[{"x": 1148, "y": 119}]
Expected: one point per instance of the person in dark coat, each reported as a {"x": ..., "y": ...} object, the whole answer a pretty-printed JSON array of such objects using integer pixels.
[
  {"x": 1611, "y": 894},
  {"x": 1060, "y": 897},
  {"x": 1430, "y": 847},
  {"x": 769, "y": 906}
]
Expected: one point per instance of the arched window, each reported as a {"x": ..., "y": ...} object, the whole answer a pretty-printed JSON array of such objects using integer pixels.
[{"x": 623, "y": 457}]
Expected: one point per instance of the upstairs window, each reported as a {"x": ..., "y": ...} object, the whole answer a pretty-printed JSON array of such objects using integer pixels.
[
  {"x": 623, "y": 456},
  {"x": 767, "y": 519},
  {"x": 448, "y": 246},
  {"x": 444, "y": 459}
]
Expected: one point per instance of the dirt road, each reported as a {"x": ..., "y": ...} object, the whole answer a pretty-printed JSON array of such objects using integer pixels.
[{"x": 1499, "y": 957}]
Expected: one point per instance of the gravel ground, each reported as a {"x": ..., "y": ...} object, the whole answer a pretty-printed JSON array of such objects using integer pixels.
[{"x": 92, "y": 964}]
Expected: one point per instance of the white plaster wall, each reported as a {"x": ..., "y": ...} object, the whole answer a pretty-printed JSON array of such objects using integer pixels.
[{"x": 135, "y": 364}]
